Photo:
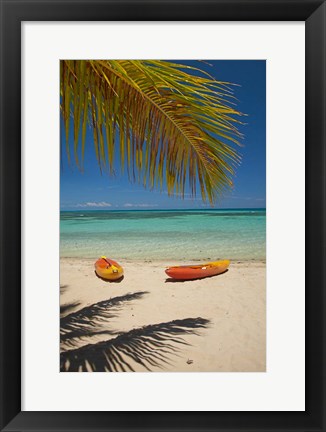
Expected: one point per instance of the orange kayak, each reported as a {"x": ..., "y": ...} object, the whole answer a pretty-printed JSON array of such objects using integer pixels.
[
  {"x": 108, "y": 269},
  {"x": 186, "y": 272}
]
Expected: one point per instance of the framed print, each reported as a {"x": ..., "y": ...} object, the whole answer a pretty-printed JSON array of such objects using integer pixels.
[
  {"x": 163, "y": 209},
  {"x": 142, "y": 230}
]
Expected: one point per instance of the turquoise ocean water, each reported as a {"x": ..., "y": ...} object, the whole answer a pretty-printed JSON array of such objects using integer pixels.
[{"x": 166, "y": 234}]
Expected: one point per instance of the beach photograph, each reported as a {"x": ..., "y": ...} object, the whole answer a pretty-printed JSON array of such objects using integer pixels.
[{"x": 162, "y": 216}]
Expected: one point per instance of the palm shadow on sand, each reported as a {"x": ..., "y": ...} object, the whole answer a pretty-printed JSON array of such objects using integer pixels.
[
  {"x": 68, "y": 308},
  {"x": 63, "y": 288},
  {"x": 92, "y": 320},
  {"x": 148, "y": 346}
]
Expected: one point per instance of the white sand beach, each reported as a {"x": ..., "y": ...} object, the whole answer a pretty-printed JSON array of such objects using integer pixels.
[{"x": 234, "y": 303}]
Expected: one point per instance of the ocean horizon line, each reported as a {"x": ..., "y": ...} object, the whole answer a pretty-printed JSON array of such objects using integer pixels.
[{"x": 162, "y": 209}]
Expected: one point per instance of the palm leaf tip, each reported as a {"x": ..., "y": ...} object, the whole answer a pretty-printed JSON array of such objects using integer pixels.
[{"x": 173, "y": 127}]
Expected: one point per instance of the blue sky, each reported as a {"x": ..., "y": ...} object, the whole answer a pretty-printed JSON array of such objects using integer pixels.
[{"x": 90, "y": 190}]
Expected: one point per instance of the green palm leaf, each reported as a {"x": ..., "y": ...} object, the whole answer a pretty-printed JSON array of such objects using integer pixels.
[{"x": 174, "y": 127}]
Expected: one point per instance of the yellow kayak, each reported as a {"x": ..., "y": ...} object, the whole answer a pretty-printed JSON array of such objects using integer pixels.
[
  {"x": 108, "y": 269},
  {"x": 197, "y": 271}
]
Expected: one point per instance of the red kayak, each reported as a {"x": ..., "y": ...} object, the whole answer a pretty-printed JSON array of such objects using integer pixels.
[{"x": 187, "y": 272}]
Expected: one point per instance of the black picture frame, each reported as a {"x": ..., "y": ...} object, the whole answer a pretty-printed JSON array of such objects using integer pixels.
[{"x": 13, "y": 12}]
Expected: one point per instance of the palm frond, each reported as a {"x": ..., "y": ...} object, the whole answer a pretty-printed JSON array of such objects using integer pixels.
[
  {"x": 149, "y": 346},
  {"x": 174, "y": 127},
  {"x": 88, "y": 321}
]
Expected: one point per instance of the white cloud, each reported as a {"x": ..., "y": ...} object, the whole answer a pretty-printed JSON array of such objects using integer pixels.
[
  {"x": 94, "y": 204},
  {"x": 139, "y": 205}
]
